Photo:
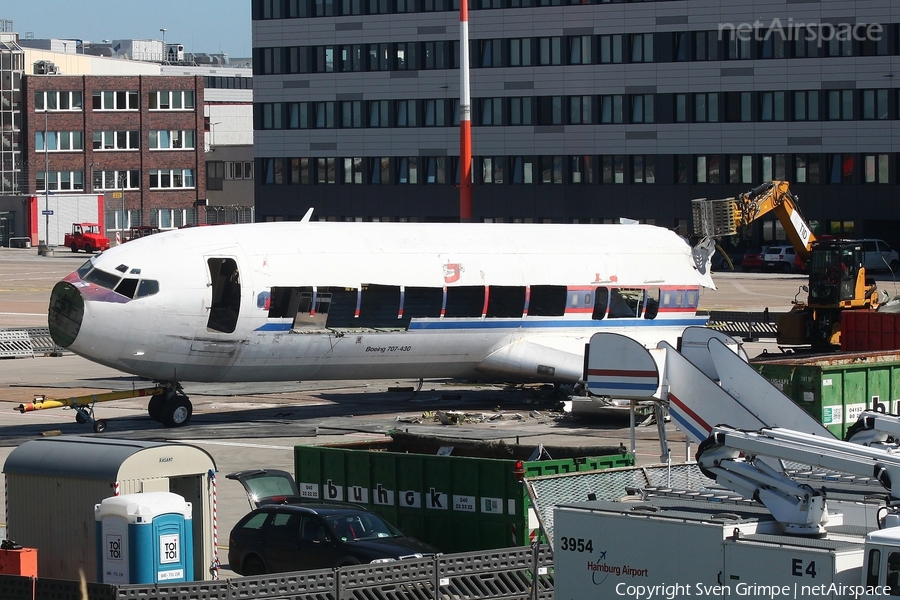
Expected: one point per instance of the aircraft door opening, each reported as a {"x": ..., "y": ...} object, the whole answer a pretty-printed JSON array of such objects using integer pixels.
[{"x": 226, "y": 294}]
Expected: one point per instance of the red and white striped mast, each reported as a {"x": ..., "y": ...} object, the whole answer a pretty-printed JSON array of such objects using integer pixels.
[{"x": 465, "y": 118}]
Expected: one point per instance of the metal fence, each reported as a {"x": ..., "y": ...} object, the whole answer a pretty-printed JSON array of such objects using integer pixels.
[{"x": 520, "y": 573}]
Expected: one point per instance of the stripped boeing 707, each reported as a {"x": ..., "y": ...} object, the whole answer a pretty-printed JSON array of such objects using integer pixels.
[{"x": 291, "y": 301}]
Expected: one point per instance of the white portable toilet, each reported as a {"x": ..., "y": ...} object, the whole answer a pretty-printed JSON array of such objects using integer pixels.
[{"x": 144, "y": 538}]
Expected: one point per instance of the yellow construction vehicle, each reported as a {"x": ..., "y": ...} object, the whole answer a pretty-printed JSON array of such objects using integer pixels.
[{"x": 837, "y": 277}]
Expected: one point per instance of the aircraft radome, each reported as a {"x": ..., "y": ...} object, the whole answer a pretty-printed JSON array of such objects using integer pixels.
[{"x": 290, "y": 301}]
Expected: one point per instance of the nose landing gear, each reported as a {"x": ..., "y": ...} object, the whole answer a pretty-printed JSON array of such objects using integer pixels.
[{"x": 171, "y": 406}]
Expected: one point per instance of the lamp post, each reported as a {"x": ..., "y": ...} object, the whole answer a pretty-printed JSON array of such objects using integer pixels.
[
  {"x": 46, "y": 184},
  {"x": 121, "y": 179},
  {"x": 165, "y": 48}
]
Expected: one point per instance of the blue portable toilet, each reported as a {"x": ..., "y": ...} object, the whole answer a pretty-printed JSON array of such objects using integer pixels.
[{"x": 144, "y": 538}]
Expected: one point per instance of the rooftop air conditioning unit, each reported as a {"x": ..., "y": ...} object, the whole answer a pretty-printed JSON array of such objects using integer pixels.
[{"x": 45, "y": 67}]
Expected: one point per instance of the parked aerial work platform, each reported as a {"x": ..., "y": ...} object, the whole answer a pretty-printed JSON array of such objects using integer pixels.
[{"x": 53, "y": 485}]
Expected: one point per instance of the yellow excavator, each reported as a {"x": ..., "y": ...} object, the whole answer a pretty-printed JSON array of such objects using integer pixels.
[{"x": 837, "y": 277}]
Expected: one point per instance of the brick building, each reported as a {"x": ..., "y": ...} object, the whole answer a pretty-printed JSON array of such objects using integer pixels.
[{"x": 142, "y": 135}]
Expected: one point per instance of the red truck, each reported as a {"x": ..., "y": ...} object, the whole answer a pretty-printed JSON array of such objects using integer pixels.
[{"x": 87, "y": 237}]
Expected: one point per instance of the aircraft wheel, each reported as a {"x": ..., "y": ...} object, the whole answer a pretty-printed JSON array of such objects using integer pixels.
[
  {"x": 176, "y": 411},
  {"x": 155, "y": 407},
  {"x": 99, "y": 426},
  {"x": 80, "y": 418}
]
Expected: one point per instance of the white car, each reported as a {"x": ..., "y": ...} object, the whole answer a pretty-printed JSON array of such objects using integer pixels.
[
  {"x": 878, "y": 256},
  {"x": 780, "y": 258}
]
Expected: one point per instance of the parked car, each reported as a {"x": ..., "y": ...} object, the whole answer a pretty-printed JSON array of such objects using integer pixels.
[
  {"x": 753, "y": 259},
  {"x": 277, "y": 538},
  {"x": 878, "y": 256},
  {"x": 781, "y": 258}
]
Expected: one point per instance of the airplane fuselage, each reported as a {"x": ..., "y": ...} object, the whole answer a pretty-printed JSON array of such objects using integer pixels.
[{"x": 305, "y": 301}]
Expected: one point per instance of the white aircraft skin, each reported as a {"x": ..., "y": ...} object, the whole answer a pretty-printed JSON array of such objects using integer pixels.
[{"x": 146, "y": 307}]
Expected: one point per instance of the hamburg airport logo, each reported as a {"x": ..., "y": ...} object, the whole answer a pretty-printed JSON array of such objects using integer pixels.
[{"x": 452, "y": 272}]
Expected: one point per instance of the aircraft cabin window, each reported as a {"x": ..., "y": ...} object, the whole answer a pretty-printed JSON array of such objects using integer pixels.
[
  {"x": 379, "y": 306},
  {"x": 465, "y": 301},
  {"x": 547, "y": 301},
  {"x": 652, "y": 303},
  {"x": 506, "y": 301},
  {"x": 601, "y": 298},
  {"x": 226, "y": 295}
]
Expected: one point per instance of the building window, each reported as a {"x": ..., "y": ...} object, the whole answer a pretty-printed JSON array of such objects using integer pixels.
[
  {"x": 116, "y": 180},
  {"x": 215, "y": 175},
  {"x": 58, "y": 141},
  {"x": 773, "y": 167},
  {"x": 706, "y": 108},
  {"x": 550, "y": 51},
  {"x": 353, "y": 170},
  {"x": 738, "y": 45},
  {"x": 613, "y": 168},
  {"x": 550, "y": 110},
  {"x": 806, "y": 106},
  {"x": 877, "y": 168},
  {"x": 272, "y": 114},
  {"x": 772, "y": 45},
  {"x": 325, "y": 114},
  {"x": 117, "y": 140},
  {"x": 642, "y": 108},
  {"x": 806, "y": 43},
  {"x": 435, "y": 112},
  {"x": 351, "y": 113},
  {"x": 379, "y": 170},
  {"x": 551, "y": 169},
  {"x": 324, "y": 62},
  {"x": 738, "y": 107},
  {"x": 580, "y": 50},
  {"x": 58, "y": 100},
  {"x": 489, "y": 53},
  {"x": 841, "y": 168},
  {"x": 875, "y": 104},
  {"x": 492, "y": 169},
  {"x": 706, "y": 45},
  {"x": 326, "y": 170},
  {"x": 580, "y": 112},
  {"x": 707, "y": 169},
  {"x": 300, "y": 171},
  {"x": 771, "y": 106},
  {"x": 379, "y": 57},
  {"x": 435, "y": 169},
  {"x": 682, "y": 169},
  {"x": 325, "y": 8},
  {"x": 408, "y": 170},
  {"x": 59, "y": 181},
  {"x": 272, "y": 171},
  {"x": 641, "y": 47},
  {"x": 171, "y": 140},
  {"x": 171, "y": 100},
  {"x": 406, "y": 57},
  {"x": 680, "y": 114},
  {"x": 405, "y": 113},
  {"x": 740, "y": 169},
  {"x": 611, "y": 108},
  {"x": 298, "y": 115},
  {"x": 435, "y": 55},
  {"x": 581, "y": 169},
  {"x": 806, "y": 168},
  {"x": 352, "y": 7},
  {"x": 681, "y": 51},
  {"x": 378, "y": 113},
  {"x": 643, "y": 168},
  {"x": 837, "y": 45},
  {"x": 610, "y": 49},
  {"x": 171, "y": 178},
  {"x": 520, "y": 52},
  {"x": 351, "y": 58},
  {"x": 115, "y": 100},
  {"x": 520, "y": 111},
  {"x": 490, "y": 111},
  {"x": 239, "y": 170},
  {"x": 521, "y": 170},
  {"x": 840, "y": 105}
]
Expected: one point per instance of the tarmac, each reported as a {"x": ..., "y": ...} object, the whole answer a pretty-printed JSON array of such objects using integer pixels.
[{"x": 245, "y": 426}]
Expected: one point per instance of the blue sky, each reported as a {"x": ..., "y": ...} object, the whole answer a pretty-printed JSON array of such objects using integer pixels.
[{"x": 210, "y": 26}]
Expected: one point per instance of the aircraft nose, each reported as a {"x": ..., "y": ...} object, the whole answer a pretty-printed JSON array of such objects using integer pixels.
[{"x": 65, "y": 314}]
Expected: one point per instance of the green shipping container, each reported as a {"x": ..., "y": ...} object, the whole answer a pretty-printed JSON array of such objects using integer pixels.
[
  {"x": 836, "y": 388},
  {"x": 457, "y": 503}
]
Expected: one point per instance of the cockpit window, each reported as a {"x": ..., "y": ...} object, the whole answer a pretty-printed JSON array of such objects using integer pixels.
[
  {"x": 127, "y": 287},
  {"x": 83, "y": 269},
  {"x": 147, "y": 287},
  {"x": 102, "y": 278}
]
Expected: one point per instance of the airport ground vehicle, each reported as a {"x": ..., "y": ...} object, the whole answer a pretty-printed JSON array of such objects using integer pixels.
[
  {"x": 795, "y": 546},
  {"x": 753, "y": 259},
  {"x": 87, "y": 237},
  {"x": 879, "y": 256},
  {"x": 837, "y": 274},
  {"x": 781, "y": 258},
  {"x": 276, "y": 538},
  {"x": 141, "y": 231}
]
